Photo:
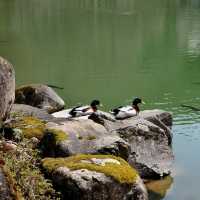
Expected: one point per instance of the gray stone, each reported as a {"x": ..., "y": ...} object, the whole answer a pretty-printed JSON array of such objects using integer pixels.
[
  {"x": 150, "y": 138},
  {"x": 7, "y": 88},
  {"x": 85, "y": 136},
  {"x": 40, "y": 96},
  {"x": 26, "y": 110}
]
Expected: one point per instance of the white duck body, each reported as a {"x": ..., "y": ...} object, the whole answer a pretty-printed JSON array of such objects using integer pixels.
[
  {"x": 83, "y": 111},
  {"x": 62, "y": 114},
  {"x": 125, "y": 112},
  {"x": 79, "y": 111}
]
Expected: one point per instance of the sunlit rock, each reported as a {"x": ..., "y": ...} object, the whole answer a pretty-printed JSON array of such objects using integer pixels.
[{"x": 80, "y": 177}]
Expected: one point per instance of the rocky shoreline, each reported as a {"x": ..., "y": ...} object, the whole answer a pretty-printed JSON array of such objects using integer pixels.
[{"x": 81, "y": 158}]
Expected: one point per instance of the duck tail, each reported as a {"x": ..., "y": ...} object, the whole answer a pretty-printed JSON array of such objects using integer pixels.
[
  {"x": 72, "y": 112},
  {"x": 114, "y": 111}
]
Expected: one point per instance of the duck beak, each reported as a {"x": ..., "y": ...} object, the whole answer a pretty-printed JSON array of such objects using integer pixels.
[{"x": 143, "y": 102}]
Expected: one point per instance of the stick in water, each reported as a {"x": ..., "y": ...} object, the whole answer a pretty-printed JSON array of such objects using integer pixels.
[
  {"x": 191, "y": 107},
  {"x": 56, "y": 87}
]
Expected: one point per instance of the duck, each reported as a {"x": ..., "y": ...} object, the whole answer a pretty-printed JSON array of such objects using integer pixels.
[
  {"x": 123, "y": 112},
  {"x": 79, "y": 111}
]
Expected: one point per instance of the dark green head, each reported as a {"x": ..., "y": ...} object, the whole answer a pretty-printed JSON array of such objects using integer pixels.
[
  {"x": 136, "y": 101},
  {"x": 95, "y": 103}
]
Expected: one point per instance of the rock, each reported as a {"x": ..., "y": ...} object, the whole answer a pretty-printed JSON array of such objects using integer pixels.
[
  {"x": 83, "y": 136},
  {"x": 29, "y": 127},
  {"x": 150, "y": 137},
  {"x": 160, "y": 118},
  {"x": 95, "y": 177},
  {"x": 40, "y": 96},
  {"x": 7, "y": 88},
  {"x": 26, "y": 110}
]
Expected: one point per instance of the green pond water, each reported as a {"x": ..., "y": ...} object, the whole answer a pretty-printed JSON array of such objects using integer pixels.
[{"x": 114, "y": 50}]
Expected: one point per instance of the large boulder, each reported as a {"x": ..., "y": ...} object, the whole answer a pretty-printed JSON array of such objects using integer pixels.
[
  {"x": 150, "y": 138},
  {"x": 7, "y": 87},
  {"x": 39, "y": 95},
  {"x": 148, "y": 135},
  {"x": 83, "y": 136},
  {"x": 95, "y": 177}
]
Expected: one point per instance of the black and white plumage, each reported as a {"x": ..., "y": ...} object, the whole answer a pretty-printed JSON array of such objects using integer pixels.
[
  {"x": 124, "y": 112},
  {"x": 79, "y": 111}
]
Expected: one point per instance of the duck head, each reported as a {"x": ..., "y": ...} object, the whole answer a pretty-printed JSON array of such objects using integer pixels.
[
  {"x": 135, "y": 103},
  {"x": 94, "y": 104}
]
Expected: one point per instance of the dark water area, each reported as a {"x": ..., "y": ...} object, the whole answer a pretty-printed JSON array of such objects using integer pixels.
[{"x": 113, "y": 50}]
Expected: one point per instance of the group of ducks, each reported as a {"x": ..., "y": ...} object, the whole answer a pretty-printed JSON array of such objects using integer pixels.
[{"x": 121, "y": 112}]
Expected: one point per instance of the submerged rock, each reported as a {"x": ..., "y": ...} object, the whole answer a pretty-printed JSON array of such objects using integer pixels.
[
  {"x": 39, "y": 95},
  {"x": 7, "y": 87},
  {"x": 84, "y": 136},
  {"x": 95, "y": 177}
]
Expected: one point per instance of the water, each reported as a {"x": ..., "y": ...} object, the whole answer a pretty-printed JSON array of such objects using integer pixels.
[{"x": 113, "y": 50}]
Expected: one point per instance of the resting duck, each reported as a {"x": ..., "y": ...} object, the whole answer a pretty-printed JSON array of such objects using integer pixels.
[
  {"x": 124, "y": 112},
  {"x": 85, "y": 110}
]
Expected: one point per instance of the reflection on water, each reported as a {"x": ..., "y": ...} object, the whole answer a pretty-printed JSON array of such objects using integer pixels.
[
  {"x": 113, "y": 50},
  {"x": 158, "y": 189}
]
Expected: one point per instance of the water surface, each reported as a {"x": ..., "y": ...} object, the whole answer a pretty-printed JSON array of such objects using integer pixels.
[{"x": 113, "y": 50}]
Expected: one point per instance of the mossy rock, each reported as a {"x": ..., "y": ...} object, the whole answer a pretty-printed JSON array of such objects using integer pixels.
[
  {"x": 30, "y": 126},
  {"x": 58, "y": 134},
  {"x": 111, "y": 166},
  {"x": 51, "y": 140}
]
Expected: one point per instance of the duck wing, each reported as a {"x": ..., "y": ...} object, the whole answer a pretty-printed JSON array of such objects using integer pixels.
[
  {"x": 126, "y": 112},
  {"x": 115, "y": 111},
  {"x": 126, "y": 108},
  {"x": 80, "y": 111}
]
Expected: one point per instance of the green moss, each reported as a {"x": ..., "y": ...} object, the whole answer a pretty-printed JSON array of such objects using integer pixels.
[
  {"x": 23, "y": 170},
  {"x": 30, "y": 126},
  {"x": 91, "y": 137},
  {"x": 122, "y": 172},
  {"x": 59, "y": 135}
]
